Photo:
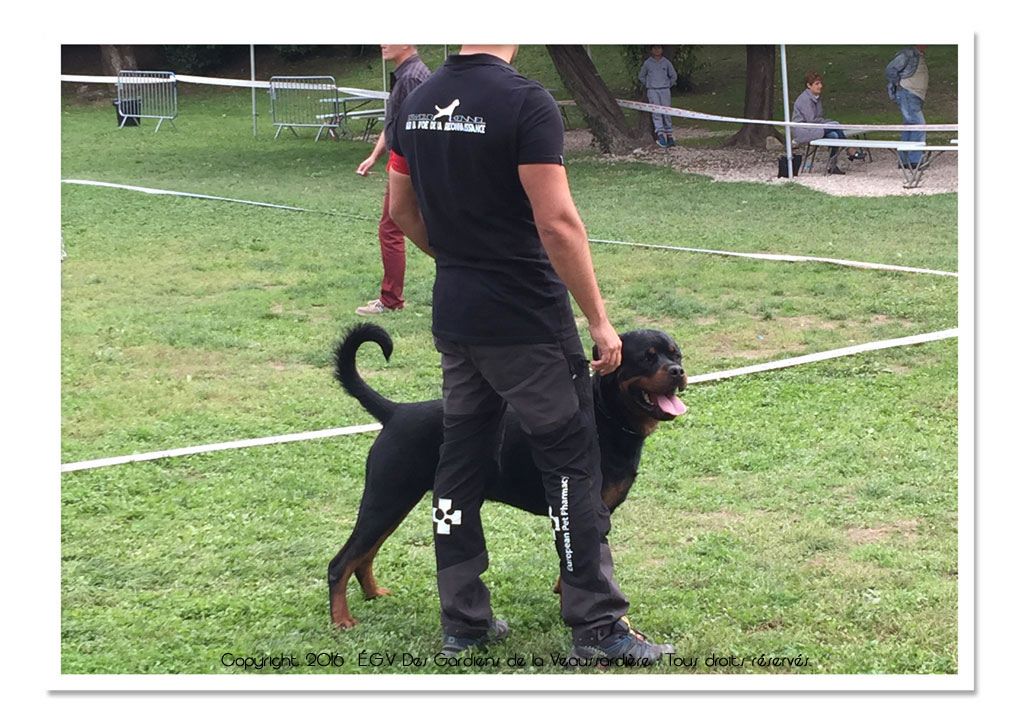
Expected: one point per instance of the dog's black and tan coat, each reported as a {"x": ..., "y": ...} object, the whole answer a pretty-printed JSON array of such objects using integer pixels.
[{"x": 629, "y": 404}]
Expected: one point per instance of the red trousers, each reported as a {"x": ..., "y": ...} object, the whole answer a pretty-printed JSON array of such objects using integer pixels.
[{"x": 392, "y": 253}]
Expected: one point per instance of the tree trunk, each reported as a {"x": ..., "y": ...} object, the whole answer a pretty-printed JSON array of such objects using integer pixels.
[
  {"x": 116, "y": 58},
  {"x": 603, "y": 115},
  {"x": 759, "y": 98}
]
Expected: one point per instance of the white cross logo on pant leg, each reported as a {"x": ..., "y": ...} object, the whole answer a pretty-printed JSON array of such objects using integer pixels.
[
  {"x": 445, "y": 517},
  {"x": 556, "y": 522}
]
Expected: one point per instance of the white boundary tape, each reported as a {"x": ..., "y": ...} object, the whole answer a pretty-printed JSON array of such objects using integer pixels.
[
  {"x": 830, "y": 354},
  {"x": 214, "y": 447},
  {"x": 202, "y": 80},
  {"x": 163, "y": 192},
  {"x": 634, "y": 105},
  {"x": 748, "y": 255},
  {"x": 786, "y": 257},
  {"x": 186, "y": 194},
  {"x": 356, "y": 429},
  {"x": 694, "y": 115}
]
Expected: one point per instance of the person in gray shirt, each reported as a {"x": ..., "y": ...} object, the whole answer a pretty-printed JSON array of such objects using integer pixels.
[
  {"x": 658, "y": 76},
  {"x": 808, "y": 109}
]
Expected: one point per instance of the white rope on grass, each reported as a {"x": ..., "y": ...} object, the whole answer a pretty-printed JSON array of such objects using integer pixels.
[
  {"x": 214, "y": 447},
  {"x": 163, "y": 192},
  {"x": 748, "y": 255},
  {"x": 356, "y": 429},
  {"x": 186, "y": 194},
  {"x": 830, "y": 354},
  {"x": 785, "y": 257}
]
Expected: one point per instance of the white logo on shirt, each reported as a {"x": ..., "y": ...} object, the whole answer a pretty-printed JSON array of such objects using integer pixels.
[
  {"x": 437, "y": 122},
  {"x": 447, "y": 110}
]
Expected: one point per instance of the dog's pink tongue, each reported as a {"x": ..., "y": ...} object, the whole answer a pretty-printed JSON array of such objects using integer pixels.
[{"x": 670, "y": 405}]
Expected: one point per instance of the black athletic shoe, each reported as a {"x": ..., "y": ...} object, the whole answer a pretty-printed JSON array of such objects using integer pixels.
[
  {"x": 623, "y": 646},
  {"x": 835, "y": 171},
  {"x": 454, "y": 645}
]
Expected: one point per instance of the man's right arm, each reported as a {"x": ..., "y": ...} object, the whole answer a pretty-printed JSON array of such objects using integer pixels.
[
  {"x": 565, "y": 240},
  {"x": 403, "y": 207},
  {"x": 895, "y": 67}
]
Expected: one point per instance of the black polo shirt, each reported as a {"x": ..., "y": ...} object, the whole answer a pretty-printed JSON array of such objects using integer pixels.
[{"x": 464, "y": 133}]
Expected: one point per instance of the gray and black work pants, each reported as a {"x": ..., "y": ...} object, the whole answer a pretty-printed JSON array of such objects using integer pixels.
[{"x": 548, "y": 385}]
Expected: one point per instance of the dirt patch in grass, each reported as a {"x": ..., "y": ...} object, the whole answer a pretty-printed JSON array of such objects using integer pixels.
[
  {"x": 784, "y": 336},
  {"x": 742, "y": 345},
  {"x": 716, "y": 520},
  {"x": 181, "y": 362},
  {"x": 806, "y": 321},
  {"x": 772, "y": 625},
  {"x": 905, "y": 528},
  {"x": 839, "y": 565},
  {"x": 882, "y": 319}
]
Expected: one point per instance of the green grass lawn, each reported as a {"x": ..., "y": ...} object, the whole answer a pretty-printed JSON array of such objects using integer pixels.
[{"x": 810, "y": 512}]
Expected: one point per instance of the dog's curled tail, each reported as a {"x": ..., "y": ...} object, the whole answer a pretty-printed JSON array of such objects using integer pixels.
[{"x": 345, "y": 369}]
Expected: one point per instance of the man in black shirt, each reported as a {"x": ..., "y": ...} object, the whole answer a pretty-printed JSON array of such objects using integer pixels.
[{"x": 477, "y": 182}]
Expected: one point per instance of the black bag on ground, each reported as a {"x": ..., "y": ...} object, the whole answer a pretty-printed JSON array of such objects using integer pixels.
[{"x": 798, "y": 161}]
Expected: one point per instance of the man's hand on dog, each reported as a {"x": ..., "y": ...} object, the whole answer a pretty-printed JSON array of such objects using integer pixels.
[{"x": 609, "y": 347}]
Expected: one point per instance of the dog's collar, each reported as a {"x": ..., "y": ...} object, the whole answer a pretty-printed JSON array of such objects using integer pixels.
[{"x": 599, "y": 404}]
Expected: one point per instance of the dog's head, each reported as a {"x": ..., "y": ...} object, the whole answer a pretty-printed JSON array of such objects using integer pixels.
[{"x": 647, "y": 383}]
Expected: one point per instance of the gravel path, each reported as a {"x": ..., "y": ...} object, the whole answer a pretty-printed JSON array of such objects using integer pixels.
[{"x": 879, "y": 177}]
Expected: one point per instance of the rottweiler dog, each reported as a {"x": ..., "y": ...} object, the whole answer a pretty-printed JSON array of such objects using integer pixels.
[{"x": 628, "y": 405}]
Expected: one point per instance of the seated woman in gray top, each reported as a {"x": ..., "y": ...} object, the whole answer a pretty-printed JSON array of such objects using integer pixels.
[{"x": 808, "y": 109}]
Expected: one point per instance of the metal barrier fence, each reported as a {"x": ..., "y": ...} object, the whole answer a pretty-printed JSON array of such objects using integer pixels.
[
  {"x": 147, "y": 94},
  {"x": 304, "y": 102}
]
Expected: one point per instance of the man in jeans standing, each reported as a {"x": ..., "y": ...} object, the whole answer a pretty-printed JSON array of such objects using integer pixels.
[
  {"x": 907, "y": 74},
  {"x": 477, "y": 182},
  {"x": 409, "y": 72}
]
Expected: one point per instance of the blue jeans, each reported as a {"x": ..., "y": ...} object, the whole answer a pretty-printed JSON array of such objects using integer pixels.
[
  {"x": 837, "y": 133},
  {"x": 910, "y": 107}
]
